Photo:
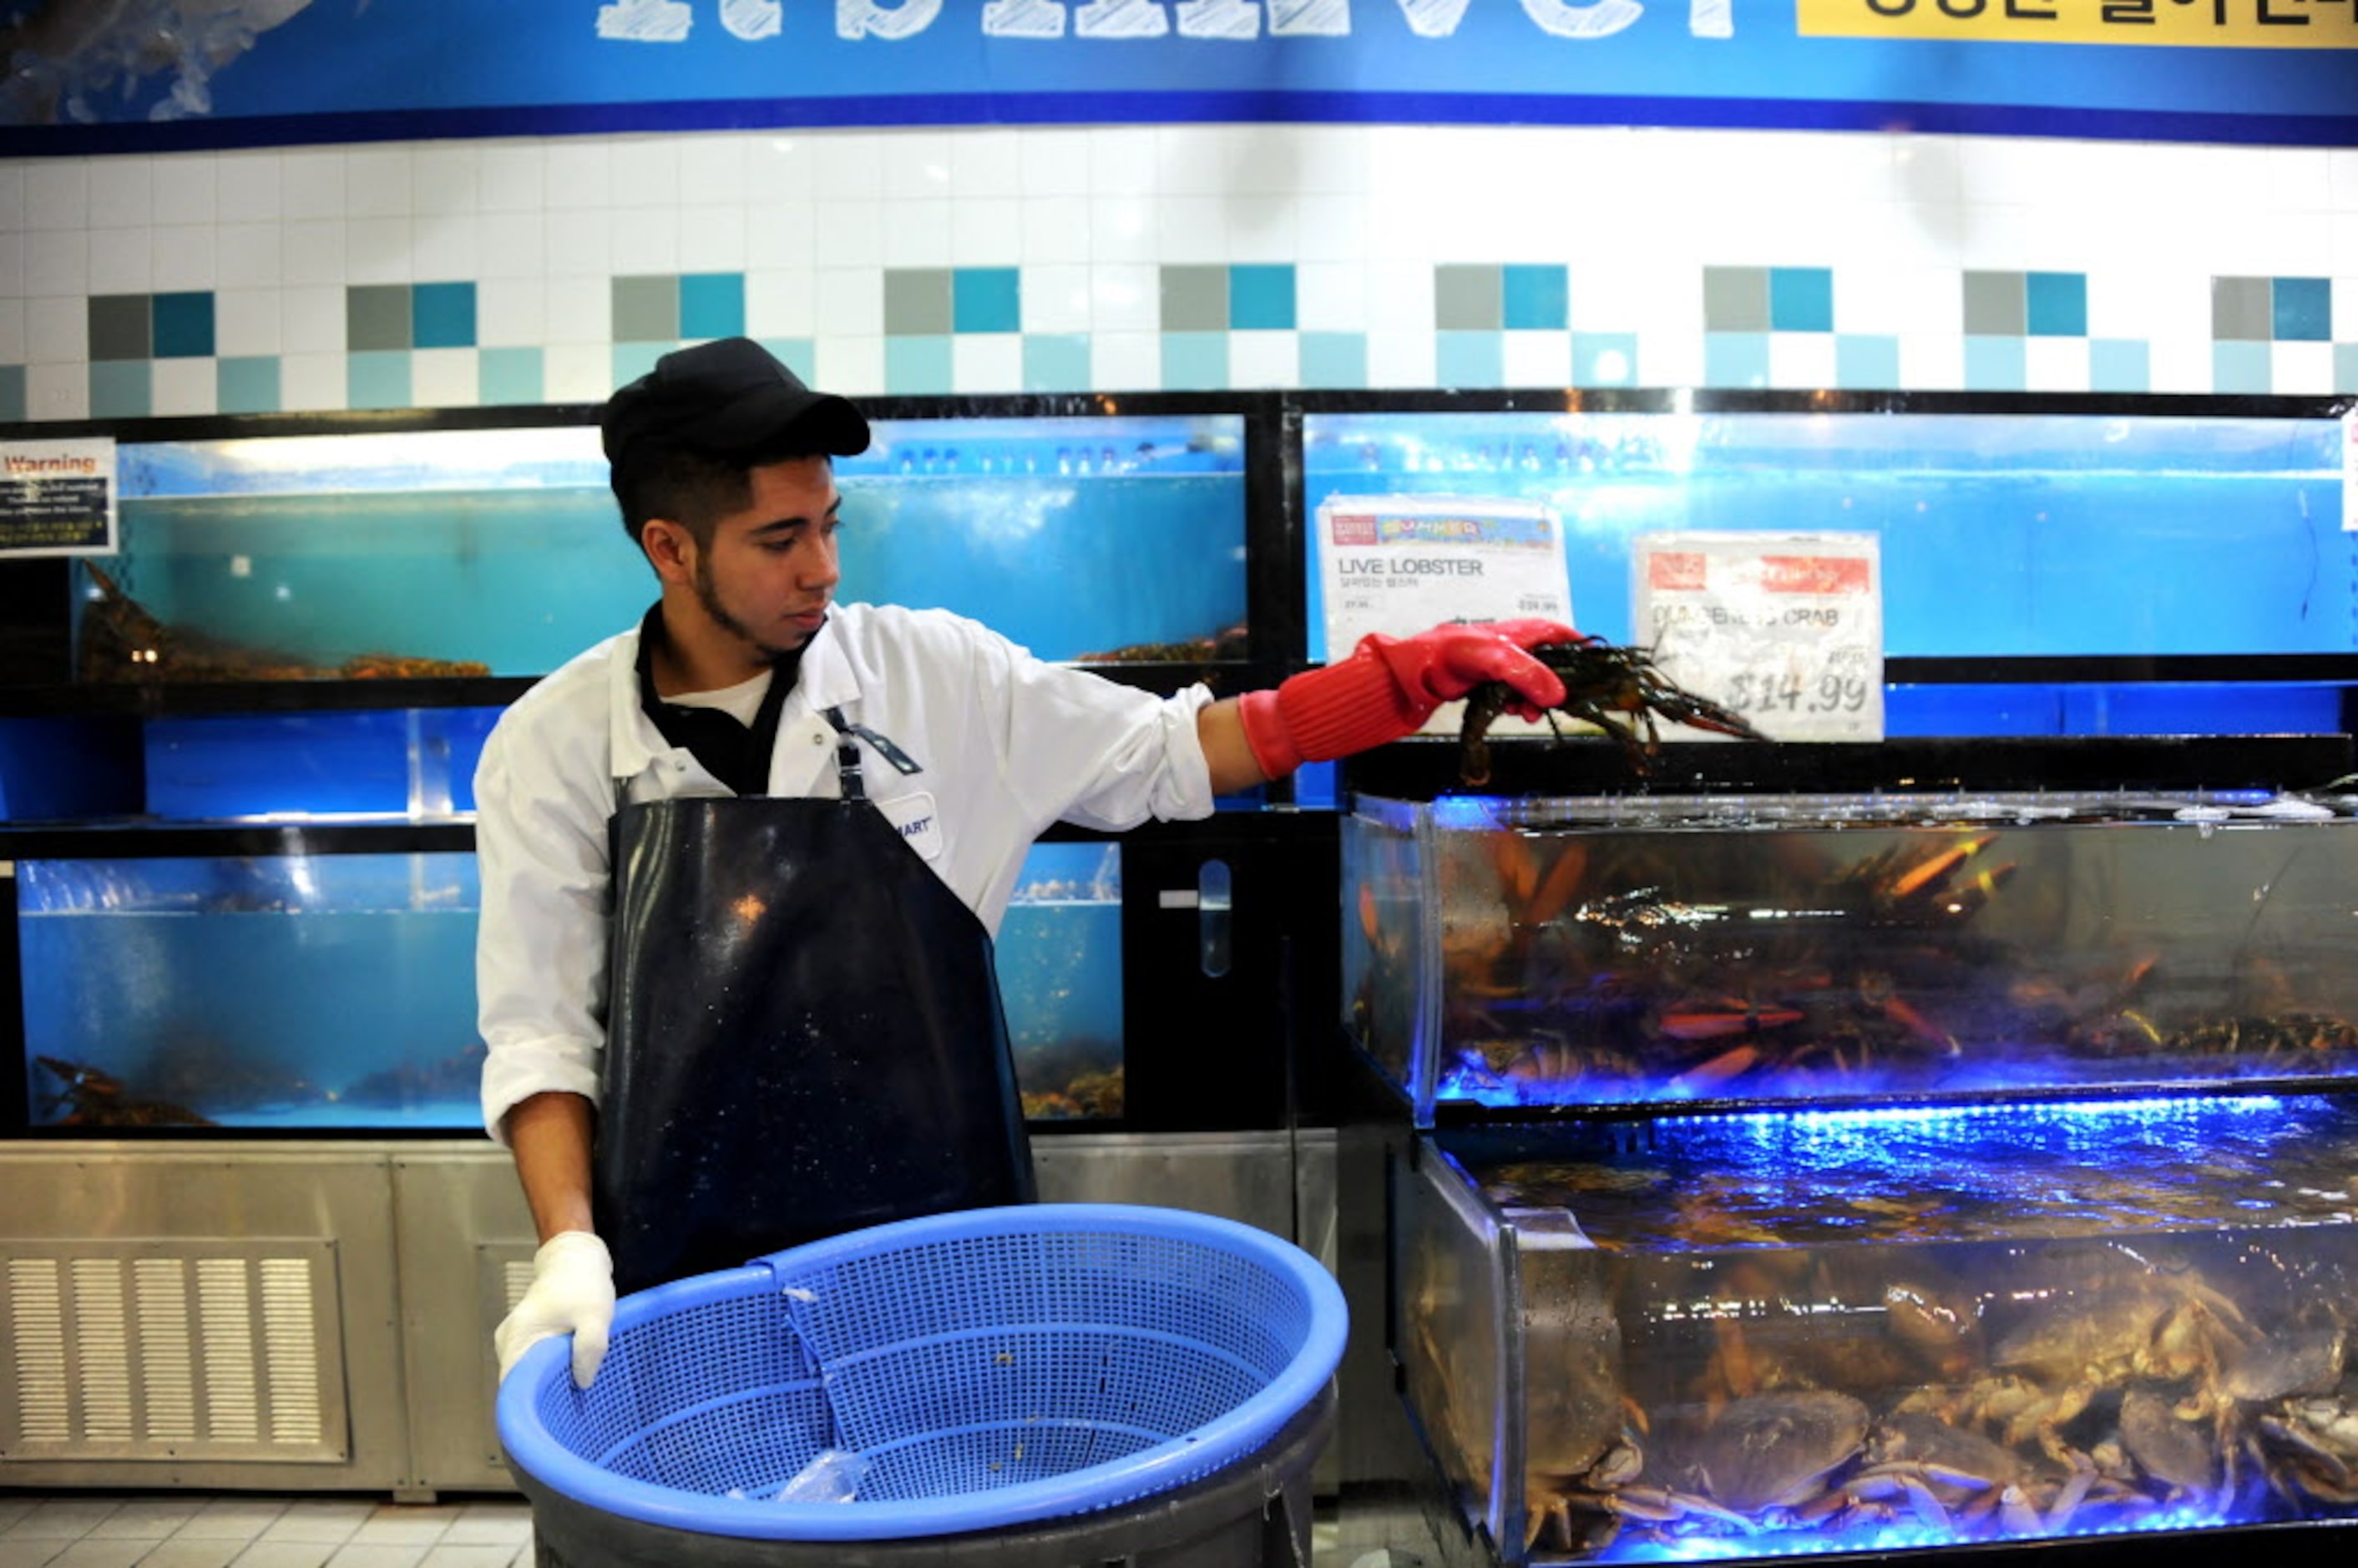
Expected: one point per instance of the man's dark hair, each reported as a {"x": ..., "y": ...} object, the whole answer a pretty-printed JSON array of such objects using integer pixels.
[{"x": 694, "y": 490}]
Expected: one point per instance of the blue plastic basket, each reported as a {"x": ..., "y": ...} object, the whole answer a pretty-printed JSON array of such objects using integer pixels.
[{"x": 995, "y": 1367}]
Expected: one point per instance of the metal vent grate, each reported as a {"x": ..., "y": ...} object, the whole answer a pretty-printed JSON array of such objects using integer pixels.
[{"x": 180, "y": 1349}]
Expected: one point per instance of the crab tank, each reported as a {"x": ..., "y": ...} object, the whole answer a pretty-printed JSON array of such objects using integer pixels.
[
  {"x": 1672, "y": 951},
  {"x": 1822, "y": 1331}
]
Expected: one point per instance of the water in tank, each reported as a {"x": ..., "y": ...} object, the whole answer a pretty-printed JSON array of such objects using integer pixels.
[
  {"x": 1819, "y": 1331},
  {"x": 1662, "y": 949},
  {"x": 2001, "y": 534},
  {"x": 502, "y": 552},
  {"x": 337, "y": 990}
]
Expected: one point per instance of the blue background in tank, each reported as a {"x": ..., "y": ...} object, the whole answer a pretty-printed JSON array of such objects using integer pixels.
[
  {"x": 1072, "y": 536},
  {"x": 2001, "y": 534}
]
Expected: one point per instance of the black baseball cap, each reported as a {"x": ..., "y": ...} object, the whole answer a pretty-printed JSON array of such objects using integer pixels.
[{"x": 728, "y": 398}]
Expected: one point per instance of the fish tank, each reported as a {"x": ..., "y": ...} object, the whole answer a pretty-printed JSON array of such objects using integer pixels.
[
  {"x": 1816, "y": 1332},
  {"x": 2003, "y": 536},
  {"x": 500, "y": 552},
  {"x": 169, "y": 993},
  {"x": 1666, "y": 951}
]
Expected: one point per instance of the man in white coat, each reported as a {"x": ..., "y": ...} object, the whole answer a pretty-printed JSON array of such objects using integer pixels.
[{"x": 746, "y": 682}]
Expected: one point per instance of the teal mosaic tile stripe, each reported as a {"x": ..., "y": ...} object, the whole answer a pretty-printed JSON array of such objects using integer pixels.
[
  {"x": 711, "y": 305},
  {"x": 1604, "y": 359},
  {"x": 986, "y": 299},
  {"x": 122, "y": 389},
  {"x": 2301, "y": 309},
  {"x": 918, "y": 366},
  {"x": 1334, "y": 359},
  {"x": 673, "y": 308},
  {"x": 183, "y": 326},
  {"x": 1801, "y": 299},
  {"x": 378, "y": 378},
  {"x": 2241, "y": 367},
  {"x": 512, "y": 375},
  {"x": 2119, "y": 364},
  {"x": 248, "y": 384},
  {"x": 442, "y": 316},
  {"x": 1195, "y": 361},
  {"x": 12, "y": 394},
  {"x": 631, "y": 361},
  {"x": 1057, "y": 362},
  {"x": 1469, "y": 359},
  {"x": 388, "y": 318},
  {"x": 2271, "y": 309},
  {"x": 1996, "y": 363},
  {"x": 2345, "y": 367},
  {"x": 2055, "y": 304},
  {"x": 1261, "y": 299},
  {"x": 1867, "y": 361},
  {"x": 1535, "y": 299},
  {"x": 1735, "y": 358}
]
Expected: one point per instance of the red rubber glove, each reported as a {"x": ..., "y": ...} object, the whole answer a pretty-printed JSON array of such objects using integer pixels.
[{"x": 1389, "y": 687}]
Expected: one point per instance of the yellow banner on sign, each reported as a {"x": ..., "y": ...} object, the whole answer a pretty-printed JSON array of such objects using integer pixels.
[{"x": 2202, "y": 24}]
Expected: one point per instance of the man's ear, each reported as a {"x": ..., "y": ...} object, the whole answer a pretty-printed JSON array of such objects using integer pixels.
[{"x": 671, "y": 549}]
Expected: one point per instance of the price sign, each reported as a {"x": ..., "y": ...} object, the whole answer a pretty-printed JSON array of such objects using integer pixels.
[
  {"x": 1786, "y": 629},
  {"x": 1402, "y": 564},
  {"x": 57, "y": 498}
]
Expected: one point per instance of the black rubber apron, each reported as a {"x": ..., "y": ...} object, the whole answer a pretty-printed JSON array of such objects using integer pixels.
[{"x": 803, "y": 1034}]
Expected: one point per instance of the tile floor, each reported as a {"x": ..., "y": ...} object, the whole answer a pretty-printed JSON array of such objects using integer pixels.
[
  {"x": 218, "y": 1530},
  {"x": 214, "y": 1530}
]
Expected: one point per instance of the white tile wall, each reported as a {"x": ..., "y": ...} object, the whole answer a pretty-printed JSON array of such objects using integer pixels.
[{"x": 1363, "y": 213}]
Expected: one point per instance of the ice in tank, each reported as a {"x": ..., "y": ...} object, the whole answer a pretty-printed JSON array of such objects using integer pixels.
[
  {"x": 337, "y": 990},
  {"x": 1803, "y": 1332},
  {"x": 502, "y": 552},
  {"x": 2002, "y": 535},
  {"x": 1666, "y": 950}
]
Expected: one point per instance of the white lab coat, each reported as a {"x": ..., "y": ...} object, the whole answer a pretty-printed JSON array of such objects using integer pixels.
[{"x": 1008, "y": 745}]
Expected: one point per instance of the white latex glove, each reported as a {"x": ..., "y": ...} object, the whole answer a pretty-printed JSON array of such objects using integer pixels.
[{"x": 572, "y": 1293}]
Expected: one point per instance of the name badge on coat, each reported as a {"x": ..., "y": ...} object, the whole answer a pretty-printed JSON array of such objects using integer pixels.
[{"x": 914, "y": 818}]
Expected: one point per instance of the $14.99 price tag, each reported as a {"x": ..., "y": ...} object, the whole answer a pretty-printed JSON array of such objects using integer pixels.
[{"x": 1786, "y": 629}]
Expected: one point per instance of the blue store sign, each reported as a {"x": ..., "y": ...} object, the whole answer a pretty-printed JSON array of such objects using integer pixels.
[{"x": 98, "y": 75}]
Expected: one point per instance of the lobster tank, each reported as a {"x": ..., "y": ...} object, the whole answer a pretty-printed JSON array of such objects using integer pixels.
[
  {"x": 166, "y": 992},
  {"x": 1794, "y": 1175},
  {"x": 1667, "y": 949},
  {"x": 458, "y": 553}
]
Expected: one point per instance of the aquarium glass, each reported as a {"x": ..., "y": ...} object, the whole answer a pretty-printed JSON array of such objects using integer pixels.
[
  {"x": 1060, "y": 976},
  {"x": 267, "y": 992},
  {"x": 2000, "y": 535},
  {"x": 338, "y": 990},
  {"x": 502, "y": 552},
  {"x": 1780, "y": 1335},
  {"x": 1662, "y": 949}
]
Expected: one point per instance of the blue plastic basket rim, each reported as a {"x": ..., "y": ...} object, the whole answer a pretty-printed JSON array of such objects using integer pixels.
[{"x": 1227, "y": 1438}]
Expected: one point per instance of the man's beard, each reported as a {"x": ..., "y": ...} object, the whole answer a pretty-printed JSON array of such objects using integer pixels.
[{"x": 710, "y": 597}]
